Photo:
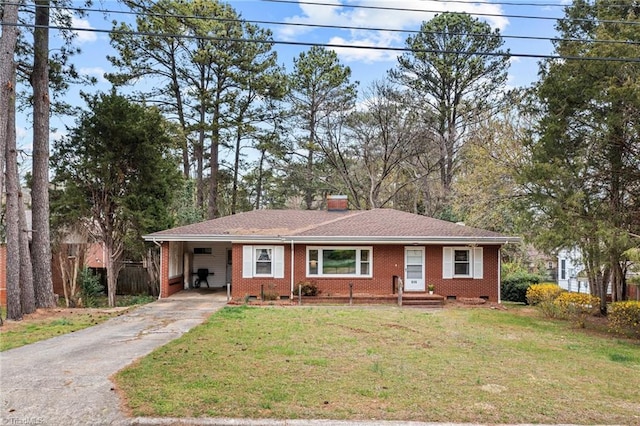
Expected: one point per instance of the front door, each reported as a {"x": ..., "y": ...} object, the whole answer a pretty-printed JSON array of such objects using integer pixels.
[{"x": 414, "y": 268}]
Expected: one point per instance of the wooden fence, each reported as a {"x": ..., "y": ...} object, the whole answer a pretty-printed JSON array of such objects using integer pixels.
[{"x": 134, "y": 280}]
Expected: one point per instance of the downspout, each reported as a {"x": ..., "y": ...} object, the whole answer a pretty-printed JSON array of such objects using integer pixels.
[
  {"x": 292, "y": 275},
  {"x": 500, "y": 272},
  {"x": 160, "y": 287}
]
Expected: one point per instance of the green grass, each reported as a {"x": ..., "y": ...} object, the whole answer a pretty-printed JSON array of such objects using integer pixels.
[
  {"x": 455, "y": 365},
  {"x": 33, "y": 330}
]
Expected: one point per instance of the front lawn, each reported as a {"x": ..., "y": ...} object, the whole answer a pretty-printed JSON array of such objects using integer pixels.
[{"x": 453, "y": 365}]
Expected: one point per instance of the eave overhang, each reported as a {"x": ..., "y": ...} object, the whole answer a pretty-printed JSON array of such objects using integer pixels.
[{"x": 271, "y": 239}]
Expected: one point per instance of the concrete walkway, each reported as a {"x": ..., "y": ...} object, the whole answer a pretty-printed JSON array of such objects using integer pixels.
[{"x": 65, "y": 380}]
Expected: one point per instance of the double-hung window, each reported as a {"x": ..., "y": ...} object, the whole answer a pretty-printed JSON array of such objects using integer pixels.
[
  {"x": 339, "y": 261},
  {"x": 262, "y": 261},
  {"x": 462, "y": 262}
]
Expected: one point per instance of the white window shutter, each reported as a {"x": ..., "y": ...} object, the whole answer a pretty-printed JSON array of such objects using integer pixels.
[
  {"x": 477, "y": 263},
  {"x": 447, "y": 262},
  {"x": 278, "y": 262},
  {"x": 247, "y": 261}
]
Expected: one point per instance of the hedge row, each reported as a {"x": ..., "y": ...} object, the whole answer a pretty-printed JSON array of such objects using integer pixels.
[
  {"x": 513, "y": 288},
  {"x": 624, "y": 318},
  {"x": 555, "y": 302}
]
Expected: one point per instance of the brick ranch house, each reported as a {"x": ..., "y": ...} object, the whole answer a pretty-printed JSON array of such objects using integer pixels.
[{"x": 277, "y": 249}]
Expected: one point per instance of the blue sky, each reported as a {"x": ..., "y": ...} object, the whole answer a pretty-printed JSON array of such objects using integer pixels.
[{"x": 366, "y": 65}]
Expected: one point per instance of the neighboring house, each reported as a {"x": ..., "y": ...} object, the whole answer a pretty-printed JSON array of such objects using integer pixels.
[
  {"x": 334, "y": 248},
  {"x": 542, "y": 264},
  {"x": 93, "y": 256},
  {"x": 571, "y": 275}
]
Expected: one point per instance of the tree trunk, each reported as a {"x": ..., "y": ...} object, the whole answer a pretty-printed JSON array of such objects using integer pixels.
[
  {"x": 41, "y": 241},
  {"x": 7, "y": 71},
  {"x": 112, "y": 275},
  {"x": 214, "y": 166},
  {"x": 27, "y": 293},
  {"x": 153, "y": 270},
  {"x": 308, "y": 192},
  {"x": 12, "y": 220},
  {"x": 184, "y": 143},
  {"x": 260, "y": 179}
]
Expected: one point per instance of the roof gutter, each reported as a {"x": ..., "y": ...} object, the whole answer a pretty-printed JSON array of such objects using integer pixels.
[{"x": 259, "y": 239}]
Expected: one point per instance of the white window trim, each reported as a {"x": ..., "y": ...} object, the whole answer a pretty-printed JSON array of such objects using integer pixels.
[
  {"x": 249, "y": 262},
  {"x": 476, "y": 260},
  {"x": 358, "y": 250},
  {"x": 255, "y": 261},
  {"x": 469, "y": 261}
]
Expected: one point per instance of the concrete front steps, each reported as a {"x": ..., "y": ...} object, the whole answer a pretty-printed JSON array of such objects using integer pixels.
[{"x": 423, "y": 300}]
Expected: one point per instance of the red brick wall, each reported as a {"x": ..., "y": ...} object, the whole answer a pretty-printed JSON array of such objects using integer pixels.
[
  {"x": 464, "y": 287},
  {"x": 3, "y": 275},
  {"x": 242, "y": 287},
  {"x": 388, "y": 260}
]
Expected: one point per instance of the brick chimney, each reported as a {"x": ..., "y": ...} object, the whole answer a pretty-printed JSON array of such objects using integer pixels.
[{"x": 337, "y": 203}]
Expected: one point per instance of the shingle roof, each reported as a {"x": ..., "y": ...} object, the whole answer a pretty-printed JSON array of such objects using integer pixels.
[{"x": 318, "y": 225}]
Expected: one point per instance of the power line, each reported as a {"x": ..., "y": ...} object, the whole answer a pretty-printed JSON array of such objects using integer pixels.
[
  {"x": 507, "y": 3},
  {"x": 333, "y": 45},
  {"x": 396, "y": 9},
  {"x": 344, "y": 27}
]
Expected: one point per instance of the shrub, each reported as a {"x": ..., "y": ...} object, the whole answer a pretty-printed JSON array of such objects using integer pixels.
[
  {"x": 514, "y": 286},
  {"x": 309, "y": 288},
  {"x": 624, "y": 318},
  {"x": 90, "y": 288},
  {"x": 576, "y": 306},
  {"x": 542, "y": 297},
  {"x": 271, "y": 293},
  {"x": 545, "y": 292}
]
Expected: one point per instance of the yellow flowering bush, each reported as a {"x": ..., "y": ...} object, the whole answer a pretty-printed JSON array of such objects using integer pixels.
[
  {"x": 576, "y": 306},
  {"x": 544, "y": 292},
  {"x": 624, "y": 318},
  {"x": 542, "y": 297}
]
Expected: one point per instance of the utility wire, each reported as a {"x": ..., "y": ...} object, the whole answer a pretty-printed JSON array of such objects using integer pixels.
[
  {"x": 334, "y": 45},
  {"x": 396, "y": 9},
  {"x": 507, "y": 3},
  {"x": 342, "y": 27}
]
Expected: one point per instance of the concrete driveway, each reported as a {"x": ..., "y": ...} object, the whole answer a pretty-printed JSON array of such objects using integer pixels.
[{"x": 65, "y": 380}]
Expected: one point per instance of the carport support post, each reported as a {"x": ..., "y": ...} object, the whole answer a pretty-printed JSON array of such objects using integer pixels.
[
  {"x": 228, "y": 292},
  {"x": 299, "y": 294},
  {"x": 400, "y": 291}
]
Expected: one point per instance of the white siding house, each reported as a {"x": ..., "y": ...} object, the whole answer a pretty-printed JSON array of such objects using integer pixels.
[{"x": 571, "y": 276}]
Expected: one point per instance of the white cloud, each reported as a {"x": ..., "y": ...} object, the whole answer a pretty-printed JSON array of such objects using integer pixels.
[
  {"x": 379, "y": 39},
  {"x": 83, "y": 36},
  {"x": 97, "y": 72},
  {"x": 384, "y": 14}
]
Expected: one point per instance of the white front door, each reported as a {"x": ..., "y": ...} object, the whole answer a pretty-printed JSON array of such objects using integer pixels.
[{"x": 414, "y": 269}]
